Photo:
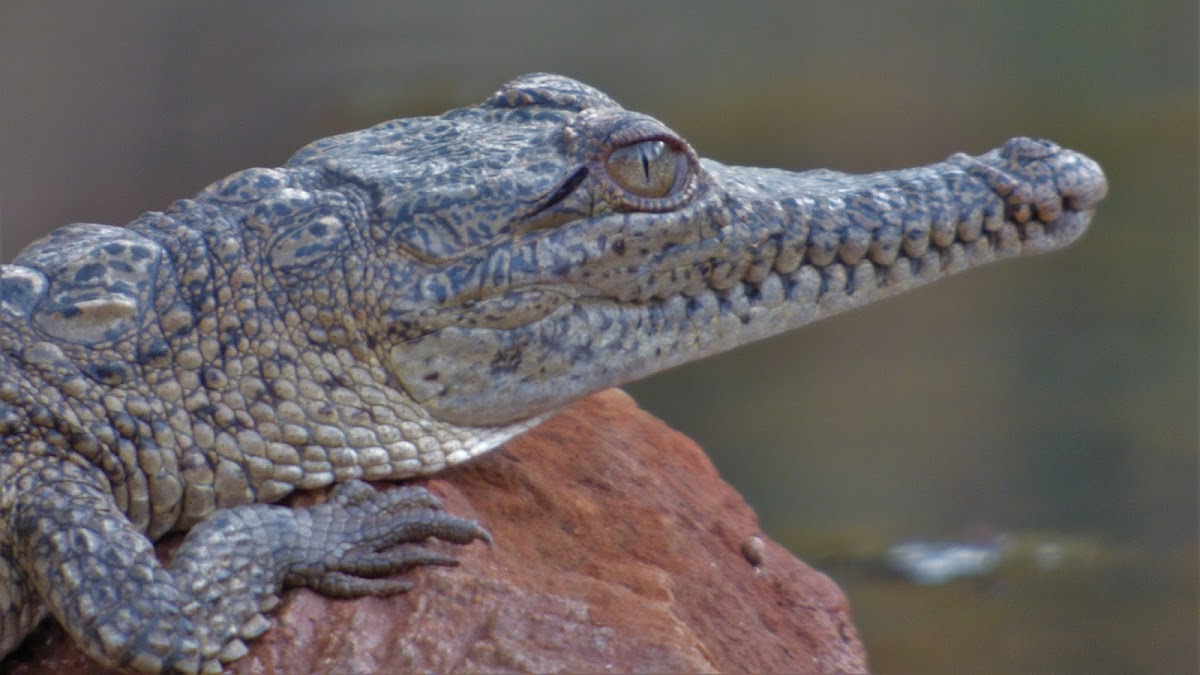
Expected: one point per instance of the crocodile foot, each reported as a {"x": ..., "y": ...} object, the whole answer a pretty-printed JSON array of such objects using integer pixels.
[
  {"x": 362, "y": 534},
  {"x": 197, "y": 612},
  {"x": 342, "y": 548}
]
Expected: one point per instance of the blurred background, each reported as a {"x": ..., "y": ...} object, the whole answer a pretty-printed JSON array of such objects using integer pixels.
[{"x": 1046, "y": 407}]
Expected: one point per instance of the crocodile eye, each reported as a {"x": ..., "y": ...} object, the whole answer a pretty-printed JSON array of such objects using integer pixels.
[{"x": 647, "y": 169}]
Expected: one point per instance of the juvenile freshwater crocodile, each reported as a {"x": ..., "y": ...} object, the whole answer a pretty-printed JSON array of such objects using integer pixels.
[{"x": 396, "y": 300}]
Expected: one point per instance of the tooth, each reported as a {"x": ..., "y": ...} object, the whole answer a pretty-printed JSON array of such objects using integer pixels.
[
  {"x": 1008, "y": 239},
  {"x": 941, "y": 232},
  {"x": 854, "y": 245},
  {"x": 835, "y": 279},
  {"x": 993, "y": 216},
  {"x": 930, "y": 265},
  {"x": 1020, "y": 213},
  {"x": 770, "y": 291},
  {"x": 980, "y": 250},
  {"x": 724, "y": 275},
  {"x": 916, "y": 237},
  {"x": 971, "y": 226},
  {"x": 862, "y": 278},
  {"x": 760, "y": 265},
  {"x": 806, "y": 286},
  {"x": 822, "y": 247},
  {"x": 886, "y": 246},
  {"x": 955, "y": 259}
]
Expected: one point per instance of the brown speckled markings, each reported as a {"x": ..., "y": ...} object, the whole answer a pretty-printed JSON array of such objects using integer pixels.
[{"x": 397, "y": 300}]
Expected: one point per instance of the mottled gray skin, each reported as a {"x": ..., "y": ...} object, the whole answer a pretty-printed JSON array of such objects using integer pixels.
[{"x": 397, "y": 300}]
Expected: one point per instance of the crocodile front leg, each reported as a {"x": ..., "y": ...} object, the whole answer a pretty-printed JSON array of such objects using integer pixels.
[{"x": 101, "y": 580}]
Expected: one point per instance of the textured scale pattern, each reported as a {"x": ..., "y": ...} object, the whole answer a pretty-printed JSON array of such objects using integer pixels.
[{"x": 396, "y": 300}]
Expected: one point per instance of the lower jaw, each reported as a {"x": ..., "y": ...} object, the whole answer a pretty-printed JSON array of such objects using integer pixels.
[{"x": 594, "y": 342}]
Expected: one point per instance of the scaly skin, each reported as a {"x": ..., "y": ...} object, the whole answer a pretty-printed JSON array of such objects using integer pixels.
[{"x": 397, "y": 300}]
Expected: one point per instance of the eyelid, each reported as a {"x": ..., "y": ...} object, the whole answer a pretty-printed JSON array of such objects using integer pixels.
[
  {"x": 564, "y": 190},
  {"x": 542, "y": 217}
]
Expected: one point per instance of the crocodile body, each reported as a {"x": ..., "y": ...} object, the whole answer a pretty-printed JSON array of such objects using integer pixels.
[{"x": 400, "y": 299}]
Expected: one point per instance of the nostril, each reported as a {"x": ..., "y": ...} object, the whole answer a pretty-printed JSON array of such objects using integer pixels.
[{"x": 1024, "y": 148}]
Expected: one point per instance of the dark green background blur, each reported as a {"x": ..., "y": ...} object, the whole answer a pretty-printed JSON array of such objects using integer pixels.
[{"x": 1053, "y": 398}]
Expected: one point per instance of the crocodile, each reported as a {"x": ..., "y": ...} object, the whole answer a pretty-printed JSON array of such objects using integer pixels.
[{"x": 396, "y": 300}]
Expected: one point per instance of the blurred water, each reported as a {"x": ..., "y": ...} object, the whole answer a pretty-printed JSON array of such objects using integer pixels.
[{"x": 1053, "y": 398}]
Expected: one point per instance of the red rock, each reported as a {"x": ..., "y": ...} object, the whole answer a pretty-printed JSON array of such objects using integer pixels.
[{"x": 618, "y": 548}]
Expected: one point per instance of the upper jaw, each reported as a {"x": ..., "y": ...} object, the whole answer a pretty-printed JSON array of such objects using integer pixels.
[
  {"x": 1027, "y": 196},
  {"x": 756, "y": 253},
  {"x": 743, "y": 224}
]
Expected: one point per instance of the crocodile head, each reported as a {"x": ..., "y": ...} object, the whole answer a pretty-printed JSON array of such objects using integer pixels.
[{"x": 548, "y": 243}]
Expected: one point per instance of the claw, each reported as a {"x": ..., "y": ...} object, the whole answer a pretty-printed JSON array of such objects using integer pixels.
[
  {"x": 362, "y": 534},
  {"x": 347, "y": 586}
]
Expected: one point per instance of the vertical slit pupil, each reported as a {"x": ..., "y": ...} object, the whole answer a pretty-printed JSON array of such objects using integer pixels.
[{"x": 659, "y": 166}]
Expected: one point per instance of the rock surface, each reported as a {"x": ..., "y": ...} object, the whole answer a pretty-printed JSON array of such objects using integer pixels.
[{"x": 618, "y": 548}]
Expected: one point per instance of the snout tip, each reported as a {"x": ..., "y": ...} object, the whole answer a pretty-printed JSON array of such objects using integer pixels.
[{"x": 1055, "y": 194}]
